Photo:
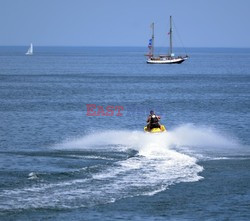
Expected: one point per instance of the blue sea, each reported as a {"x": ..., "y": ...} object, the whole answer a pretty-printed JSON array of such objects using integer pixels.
[{"x": 58, "y": 163}]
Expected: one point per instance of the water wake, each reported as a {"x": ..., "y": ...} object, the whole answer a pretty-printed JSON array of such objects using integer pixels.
[{"x": 157, "y": 164}]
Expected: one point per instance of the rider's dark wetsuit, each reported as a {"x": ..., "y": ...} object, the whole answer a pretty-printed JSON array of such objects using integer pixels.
[{"x": 153, "y": 122}]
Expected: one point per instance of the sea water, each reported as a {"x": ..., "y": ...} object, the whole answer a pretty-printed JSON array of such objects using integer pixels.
[{"x": 57, "y": 163}]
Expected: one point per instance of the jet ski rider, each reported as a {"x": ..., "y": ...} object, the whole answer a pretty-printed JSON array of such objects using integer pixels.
[{"x": 153, "y": 121}]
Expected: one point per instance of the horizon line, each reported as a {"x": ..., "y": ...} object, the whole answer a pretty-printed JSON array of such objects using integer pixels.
[{"x": 122, "y": 46}]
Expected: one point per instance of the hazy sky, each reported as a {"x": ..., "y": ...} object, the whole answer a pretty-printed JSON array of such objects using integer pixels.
[{"x": 200, "y": 23}]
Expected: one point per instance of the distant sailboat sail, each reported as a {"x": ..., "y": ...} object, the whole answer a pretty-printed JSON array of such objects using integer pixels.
[{"x": 30, "y": 50}]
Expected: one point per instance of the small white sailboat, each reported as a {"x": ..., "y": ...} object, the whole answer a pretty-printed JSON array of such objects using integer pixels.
[
  {"x": 30, "y": 50},
  {"x": 164, "y": 59}
]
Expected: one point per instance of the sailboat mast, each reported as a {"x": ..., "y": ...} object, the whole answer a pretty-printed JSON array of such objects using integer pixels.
[
  {"x": 153, "y": 38},
  {"x": 171, "y": 41}
]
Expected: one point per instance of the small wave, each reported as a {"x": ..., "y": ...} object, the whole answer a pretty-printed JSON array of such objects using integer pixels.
[
  {"x": 92, "y": 157},
  {"x": 32, "y": 176}
]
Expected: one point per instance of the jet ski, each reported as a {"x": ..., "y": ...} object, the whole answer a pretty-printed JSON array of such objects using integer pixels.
[
  {"x": 156, "y": 130},
  {"x": 153, "y": 122}
]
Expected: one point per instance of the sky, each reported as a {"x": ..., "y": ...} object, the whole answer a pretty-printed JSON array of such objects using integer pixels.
[{"x": 197, "y": 23}]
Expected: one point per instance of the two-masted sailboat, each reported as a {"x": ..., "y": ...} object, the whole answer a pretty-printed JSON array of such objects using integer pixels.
[
  {"x": 30, "y": 50},
  {"x": 164, "y": 59}
]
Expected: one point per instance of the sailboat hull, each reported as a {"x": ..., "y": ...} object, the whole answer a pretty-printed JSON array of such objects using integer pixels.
[{"x": 165, "y": 60}]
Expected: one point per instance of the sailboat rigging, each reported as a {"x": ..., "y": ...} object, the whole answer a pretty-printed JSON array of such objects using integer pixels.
[{"x": 164, "y": 59}]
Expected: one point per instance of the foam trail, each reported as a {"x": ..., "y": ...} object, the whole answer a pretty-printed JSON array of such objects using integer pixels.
[
  {"x": 156, "y": 166},
  {"x": 152, "y": 171}
]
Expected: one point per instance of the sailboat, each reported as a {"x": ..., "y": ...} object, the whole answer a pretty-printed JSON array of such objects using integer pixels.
[
  {"x": 30, "y": 50},
  {"x": 164, "y": 59}
]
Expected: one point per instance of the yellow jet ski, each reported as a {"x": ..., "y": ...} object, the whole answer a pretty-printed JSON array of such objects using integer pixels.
[{"x": 156, "y": 130}]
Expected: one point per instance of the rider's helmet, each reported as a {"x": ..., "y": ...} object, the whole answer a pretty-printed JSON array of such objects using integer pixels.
[{"x": 152, "y": 112}]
